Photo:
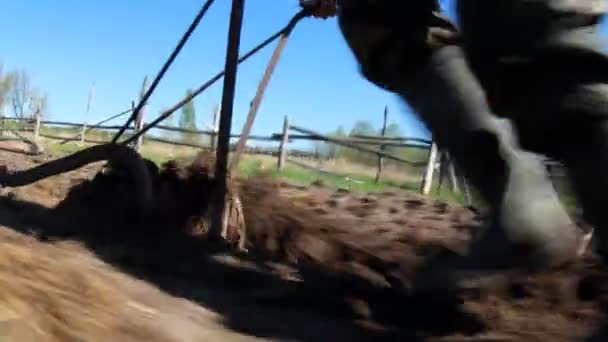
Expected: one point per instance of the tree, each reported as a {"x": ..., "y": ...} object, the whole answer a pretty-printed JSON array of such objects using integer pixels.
[
  {"x": 5, "y": 85},
  {"x": 187, "y": 119},
  {"x": 333, "y": 149},
  {"x": 361, "y": 128},
  {"x": 393, "y": 130},
  {"x": 38, "y": 103},
  {"x": 170, "y": 122},
  {"x": 24, "y": 100},
  {"x": 211, "y": 125},
  {"x": 19, "y": 84},
  {"x": 329, "y": 150}
]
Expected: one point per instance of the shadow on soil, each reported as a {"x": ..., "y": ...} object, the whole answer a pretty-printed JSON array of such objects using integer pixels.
[
  {"x": 247, "y": 291},
  {"x": 335, "y": 298}
]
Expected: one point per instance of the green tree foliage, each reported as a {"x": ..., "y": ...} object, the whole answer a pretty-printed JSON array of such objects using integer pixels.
[
  {"x": 393, "y": 130},
  {"x": 361, "y": 128},
  {"x": 328, "y": 150},
  {"x": 5, "y": 85},
  {"x": 365, "y": 128},
  {"x": 170, "y": 121},
  {"x": 187, "y": 120}
]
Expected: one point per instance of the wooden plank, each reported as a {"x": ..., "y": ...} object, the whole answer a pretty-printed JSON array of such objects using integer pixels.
[
  {"x": 382, "y": 147},
  {"x": 283, "y": 145},
  {"x": 346, "y": 143},
  {"x": 370, "y": 137},
  {"x": 139, "y": 118},
  {"x": 223, "y": 138},
  {"x": 62, "y": 123},
  {"x": 216, "y": 126},
  {"x": 87, "y": 113},
  {"x": 9, "y": 138},
  {"x": 37, "y": 147},
  {"x": 173, "y": 142},
  {"x": 388, "y": 142},
  {"x": 259, "y": 95},
  {"x": 89, "y": 127},
  {"x": 442, "y": 170},
  {"x": 427, "y": 181},
  {"x": 183, "y": 130},
  {"x": 451, "y": 169},
  {"x": 99, "y": 125},
  {"x": 87, "y": 140}
]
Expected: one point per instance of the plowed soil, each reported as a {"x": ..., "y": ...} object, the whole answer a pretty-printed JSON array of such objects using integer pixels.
[{"x": 323, "y": 265}]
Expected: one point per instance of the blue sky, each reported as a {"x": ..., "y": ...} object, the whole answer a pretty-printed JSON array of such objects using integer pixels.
[{"x": 66, "y": 45}]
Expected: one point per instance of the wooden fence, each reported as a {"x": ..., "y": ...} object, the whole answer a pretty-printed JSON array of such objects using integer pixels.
[
  {"x": 368, "y": 144},
  {"x": 438, "y": 160}
]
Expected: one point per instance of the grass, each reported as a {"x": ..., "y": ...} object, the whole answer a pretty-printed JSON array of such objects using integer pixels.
[
  {"x": 353, "y": 182},
  {"x": 356, "y": 181},
  {"x": 341, "y": 174}
]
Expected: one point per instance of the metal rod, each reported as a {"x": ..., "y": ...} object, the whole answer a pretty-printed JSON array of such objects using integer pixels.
[
  {"x": 223, "y": 140},
  {"x": 165, "y": 67},
  {"x": 167, "y": 113}
]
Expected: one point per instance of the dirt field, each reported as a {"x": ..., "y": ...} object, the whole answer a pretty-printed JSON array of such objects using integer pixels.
[{"x": 323, "y": 265}]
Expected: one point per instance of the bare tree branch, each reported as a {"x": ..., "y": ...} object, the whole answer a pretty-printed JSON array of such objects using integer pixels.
[{"x": 24, "y": 99}]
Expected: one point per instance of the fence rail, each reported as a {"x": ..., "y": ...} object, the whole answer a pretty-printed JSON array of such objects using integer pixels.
[
  {"x": 351, "y": 142},
  {"x": 373, "y": 145}
]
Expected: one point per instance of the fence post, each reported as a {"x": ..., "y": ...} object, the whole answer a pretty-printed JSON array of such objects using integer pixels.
[
  {"x": 452, "y": 174},
  {"x": 216, "y": 126},
  {"x": 139, "y": 119},
  {"x": 382, "y": 147},
  {"x": 87, "y": 113},
  {"x": 83, "y": 131},
  {"x": 427, "y": 181},
  {"x": 36, "y": 147},
  {"x": 283, "y": 145},
  {"x": 3, "y": 126},
  {"x": 139, "y": 125},
  {"x": 37, "y": 123},
  {"x": 466, "y": 189},
  {"x": 442, "y": 156}
]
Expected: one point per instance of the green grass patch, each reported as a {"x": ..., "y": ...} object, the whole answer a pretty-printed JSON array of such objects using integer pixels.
[
  {"x": 251, "y": 166},
  {"x": 352, "y": 182}
]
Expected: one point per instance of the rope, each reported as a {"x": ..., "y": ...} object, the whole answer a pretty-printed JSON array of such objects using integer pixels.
[
  {"x": 165, "y": 114},
  {"x": 165, "y": 67}
]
